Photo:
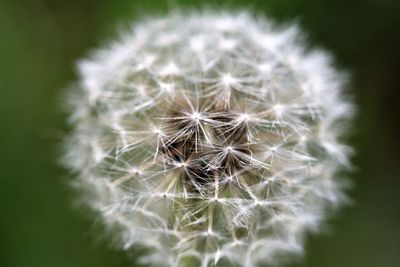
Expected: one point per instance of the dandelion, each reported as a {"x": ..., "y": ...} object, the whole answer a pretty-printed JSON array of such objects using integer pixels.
[{"x": 210, "y": 139}]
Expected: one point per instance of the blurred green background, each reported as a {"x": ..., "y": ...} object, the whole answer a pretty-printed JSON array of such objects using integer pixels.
[{"x": 41, "y": 39}]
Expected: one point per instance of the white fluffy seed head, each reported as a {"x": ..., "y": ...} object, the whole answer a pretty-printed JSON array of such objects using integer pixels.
[{"x": 209, "y": 138}]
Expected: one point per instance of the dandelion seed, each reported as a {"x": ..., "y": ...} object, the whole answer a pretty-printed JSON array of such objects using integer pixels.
[
  {"x": 228, "y": 80},
  {"x": 227, "y": 44}
]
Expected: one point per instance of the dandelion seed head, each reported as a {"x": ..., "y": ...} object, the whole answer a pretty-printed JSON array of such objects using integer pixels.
[{"x": 210, "y": 137}]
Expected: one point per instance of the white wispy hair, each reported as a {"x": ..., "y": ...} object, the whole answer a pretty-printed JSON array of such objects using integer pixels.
[{"x": 210, "y": 138}]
